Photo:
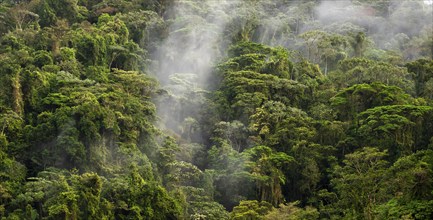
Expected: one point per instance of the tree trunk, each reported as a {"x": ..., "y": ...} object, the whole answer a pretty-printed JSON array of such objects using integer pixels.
[
  {"x": 326, "y": 65},
  {"x": 17, "y": 104}
]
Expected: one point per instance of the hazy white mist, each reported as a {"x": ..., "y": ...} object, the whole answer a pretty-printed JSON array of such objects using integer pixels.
[{"x": 187, "y": 56}]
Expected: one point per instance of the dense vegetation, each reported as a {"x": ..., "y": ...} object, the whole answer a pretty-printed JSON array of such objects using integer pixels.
[{"x": 261, "y": 109}]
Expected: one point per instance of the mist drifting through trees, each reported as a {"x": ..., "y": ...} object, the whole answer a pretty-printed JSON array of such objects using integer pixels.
[{"x": 206, "y": 109}]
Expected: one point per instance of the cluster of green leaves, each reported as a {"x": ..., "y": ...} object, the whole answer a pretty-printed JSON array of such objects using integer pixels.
[
  {"x": 329, "y": 142},
  {"x": 78, "y": 139},
  {"x": 266, "y": 92},
  {"x": 335, "y": 128}
]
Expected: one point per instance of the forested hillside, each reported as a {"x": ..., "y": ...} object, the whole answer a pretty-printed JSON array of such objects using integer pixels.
[{"x": 216, "y": 109}]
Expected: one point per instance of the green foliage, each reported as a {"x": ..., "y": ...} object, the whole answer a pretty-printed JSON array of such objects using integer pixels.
[
  {"x": 324, "y": 47},
  {"x": 358, "y": 98},
  {"x": 422, "y": 70},
  {"x": 232, "y": 182},
  {"x": 251, "y": 209},
  {"x": 397, "y": 128},
  {"x": 291, "y": 211},
  {"x": 91, "y": 46},
  {"x": 12, "y": 176},
  {"x": 415, "y": 209},
  {"x": 145, "y": 27},
  {"x": 259, "y": 58},
  {"x": 266, "y": 168},
  {"x": 360, "y": 183},
  {"x": 42, "y": 58},
  {"x": 133, "y": 197},
  {"x": 303, "y": 116},
  {"x": 245, "y": 91},
  {"x": 201, "y": 206},
  {"x": 51, "y": 10},
  {"x": 62, "y": 194},
  {"x": 412, "y": 177},
  {"x": 360, "y": 70}
]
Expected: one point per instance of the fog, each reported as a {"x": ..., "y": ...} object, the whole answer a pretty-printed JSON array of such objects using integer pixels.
[
  {"x": 393, "y": 25},
  {"x": 186, "y": 59},
  {"x": 199, "y": 33},
  {"x": 410, "y": 18}
]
